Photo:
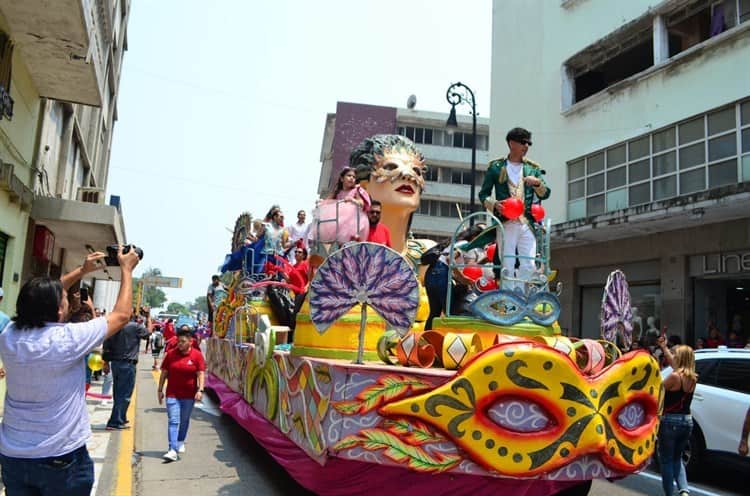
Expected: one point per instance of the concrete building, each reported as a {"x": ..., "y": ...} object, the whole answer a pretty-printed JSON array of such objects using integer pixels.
[
  {"x": 61, "y": 62},
  {"x": 448, "y": 157},
  {"x": 641, "y": 115}
]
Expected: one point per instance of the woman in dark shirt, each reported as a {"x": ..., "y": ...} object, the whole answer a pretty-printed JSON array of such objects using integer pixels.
[{"x": 676, "y": 422}]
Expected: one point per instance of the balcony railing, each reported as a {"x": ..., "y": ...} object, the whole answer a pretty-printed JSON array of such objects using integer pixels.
[{"x": 91, "y": 195}]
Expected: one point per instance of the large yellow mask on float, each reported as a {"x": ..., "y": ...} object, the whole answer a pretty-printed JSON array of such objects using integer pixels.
[{"x": 612, "y": 415}]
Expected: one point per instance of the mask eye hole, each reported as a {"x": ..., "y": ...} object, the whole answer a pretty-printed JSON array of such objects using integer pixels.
[
  {"x": 520, "y": 415},
  {"x": 632, "y": 416}
]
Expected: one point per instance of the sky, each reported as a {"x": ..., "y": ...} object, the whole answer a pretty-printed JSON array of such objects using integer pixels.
[{"x": 221, "y": 110}]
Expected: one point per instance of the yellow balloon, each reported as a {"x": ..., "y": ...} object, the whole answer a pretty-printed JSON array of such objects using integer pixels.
[{"x": 95, "y": 362}]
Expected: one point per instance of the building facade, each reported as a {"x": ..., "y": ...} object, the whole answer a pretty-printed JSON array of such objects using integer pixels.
[
  {"x": 447, "y": 154},
  {"x": 641, "y": 117},
  {"x": 59, "y": 71}
]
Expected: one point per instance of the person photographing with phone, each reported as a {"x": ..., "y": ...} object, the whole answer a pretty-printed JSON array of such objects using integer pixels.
[{"x": 45, "y": 424}]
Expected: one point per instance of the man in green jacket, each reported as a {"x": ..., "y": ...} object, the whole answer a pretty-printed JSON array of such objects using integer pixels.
[{"x": 516, "y": 176}]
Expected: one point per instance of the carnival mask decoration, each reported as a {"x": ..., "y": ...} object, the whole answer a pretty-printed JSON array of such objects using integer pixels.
[{"x": 612, "y": 414}]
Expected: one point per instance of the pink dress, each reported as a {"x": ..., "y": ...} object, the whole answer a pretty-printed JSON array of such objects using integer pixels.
[{"x": 341, "y": 221}]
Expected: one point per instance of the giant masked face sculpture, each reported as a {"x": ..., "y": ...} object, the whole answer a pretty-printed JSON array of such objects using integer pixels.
[{"x": 392, "y": 169}]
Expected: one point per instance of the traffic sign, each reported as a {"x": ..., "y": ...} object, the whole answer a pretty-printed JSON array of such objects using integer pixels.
[{"x": 163, "y": 282}]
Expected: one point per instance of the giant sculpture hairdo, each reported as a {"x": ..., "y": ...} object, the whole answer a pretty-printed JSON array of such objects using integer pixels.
[{"x": 366, "y": 156}]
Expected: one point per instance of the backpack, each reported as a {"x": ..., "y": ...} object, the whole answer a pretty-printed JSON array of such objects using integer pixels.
[{"x": 158, "y": 340}]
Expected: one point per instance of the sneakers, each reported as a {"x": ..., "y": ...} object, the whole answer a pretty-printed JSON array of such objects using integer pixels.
[
  {"x": 171, "y": 456},
  {"x": 181, "y": 449}
]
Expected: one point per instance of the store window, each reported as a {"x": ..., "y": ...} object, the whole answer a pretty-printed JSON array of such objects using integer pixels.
[{"x": 645, "y": 304}]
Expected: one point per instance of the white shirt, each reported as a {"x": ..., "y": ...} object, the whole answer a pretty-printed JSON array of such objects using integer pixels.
[
  {"x": 299, "y": 231},
  {"x": 45, "y": 404},
  {"x": 515, "y": 171}
]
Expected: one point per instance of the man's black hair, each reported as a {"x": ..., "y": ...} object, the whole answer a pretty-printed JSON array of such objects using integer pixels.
[
  {"x": 215, "y": 277},
  {"x": 184, "y": 332},
  {"x": 38, "y": 302},
  {"x": 518, "y": 134},
  {"x": 375, "y": 202}
]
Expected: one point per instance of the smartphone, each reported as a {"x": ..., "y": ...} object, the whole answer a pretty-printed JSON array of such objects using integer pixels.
[
  {"x": 664, "y": 331},
  {"x": 84, "y": 294}
]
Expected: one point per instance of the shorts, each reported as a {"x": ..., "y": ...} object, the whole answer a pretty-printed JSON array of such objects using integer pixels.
[{"x": 155, "y": 352}]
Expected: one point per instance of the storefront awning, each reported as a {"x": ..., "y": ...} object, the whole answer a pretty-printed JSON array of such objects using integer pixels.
[{"x": 78, "y": 225}]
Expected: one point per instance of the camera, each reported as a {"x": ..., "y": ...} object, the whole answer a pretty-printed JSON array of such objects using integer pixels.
[
  {"x": 111, "y": 258},
  {"x": 84, "y": 293}
]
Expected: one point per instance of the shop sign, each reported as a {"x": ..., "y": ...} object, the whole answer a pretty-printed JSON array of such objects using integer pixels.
[{"x": 720, "y": 263}]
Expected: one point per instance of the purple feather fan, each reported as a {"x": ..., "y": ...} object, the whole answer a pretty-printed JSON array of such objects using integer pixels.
[
  {"x": 616, "y": 316},
  {"x": 364, "y": 273}
]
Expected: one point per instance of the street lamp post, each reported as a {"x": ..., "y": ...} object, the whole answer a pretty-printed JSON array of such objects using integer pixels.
[{"x": 457, "y": 94}]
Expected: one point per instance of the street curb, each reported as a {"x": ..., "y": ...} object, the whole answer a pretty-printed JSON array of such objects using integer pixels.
[{"x": 124, "y": 467}]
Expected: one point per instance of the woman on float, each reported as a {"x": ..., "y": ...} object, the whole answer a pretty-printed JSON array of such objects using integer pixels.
[{"x": 347, "y": 206}]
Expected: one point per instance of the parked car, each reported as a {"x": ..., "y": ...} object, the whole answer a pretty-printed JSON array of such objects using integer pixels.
[{"x": 720, "y": 401}]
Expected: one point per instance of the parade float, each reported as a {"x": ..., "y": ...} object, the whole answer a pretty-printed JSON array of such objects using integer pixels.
[{"x": 364, "y": 399}]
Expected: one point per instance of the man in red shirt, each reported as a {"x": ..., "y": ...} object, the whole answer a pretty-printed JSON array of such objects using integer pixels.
[
  {"x": 168, "y": 330},
  {"x": 379, "y": 233},
  {"x": 185, "y": 368}
]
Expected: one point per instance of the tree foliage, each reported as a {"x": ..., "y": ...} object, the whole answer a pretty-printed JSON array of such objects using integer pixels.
[
  {"x": 178, "y": 308},
  {"x": 199, "y": 305},
  {"x": 152, "y": 297}
]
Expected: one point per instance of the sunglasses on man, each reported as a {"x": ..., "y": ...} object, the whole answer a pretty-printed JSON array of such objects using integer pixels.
[{"x": 523, "y": 142}]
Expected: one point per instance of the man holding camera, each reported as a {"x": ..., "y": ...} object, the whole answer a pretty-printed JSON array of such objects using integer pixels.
[
  {"x": 46, "y": 424},
  {"x": 121, "y": 351}
]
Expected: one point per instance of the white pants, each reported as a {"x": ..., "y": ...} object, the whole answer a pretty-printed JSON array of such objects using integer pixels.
[{"x": 518, "y": 237}]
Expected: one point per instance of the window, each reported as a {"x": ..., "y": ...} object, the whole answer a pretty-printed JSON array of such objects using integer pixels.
[
  {"x": 431, "y": 174},
  {"x": 707, "y": 151},
  {"x": 704, "y": 19},
  {"x": 6, "y": 61},
  {"x": 632, "y": 49},
  {"x": 416, "y": 134},
  {"x": 440, "y": 137},
  {"x": 733, "y": 375},
  {"x": 438, "y": 208},
  {"x": 3, "y": 248},
  {"x": 461, "y": 176},
  {"x": 706, "y": 370},
  {"x": 606, "y": 63}
]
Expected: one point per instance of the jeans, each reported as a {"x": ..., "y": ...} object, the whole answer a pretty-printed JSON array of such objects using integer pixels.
[
  {"x": 674, "y": 433},
  {"x": 123, "y": 378},
  {"x": 178, "y": 417},
  {"x": 107, "y": 383},
  {"x": 71, "y": 474}
]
